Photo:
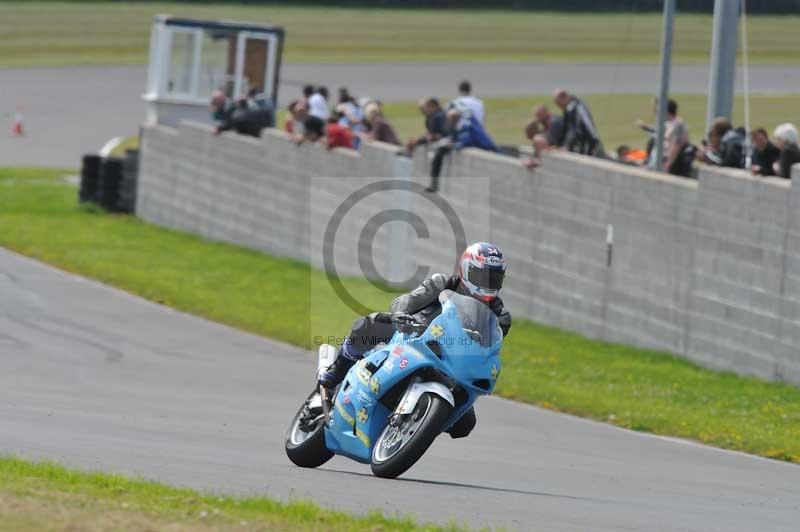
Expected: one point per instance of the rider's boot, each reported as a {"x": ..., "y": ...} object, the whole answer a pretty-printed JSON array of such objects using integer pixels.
[{"x": 336, "y": 373}]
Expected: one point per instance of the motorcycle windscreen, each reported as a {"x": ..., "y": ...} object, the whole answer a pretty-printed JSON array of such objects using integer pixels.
[{"x": 476, "y": 317}]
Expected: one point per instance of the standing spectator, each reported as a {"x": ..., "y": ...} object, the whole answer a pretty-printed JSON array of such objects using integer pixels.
[
  {"x": 678, "y": 151},
  {"x": 318, "y": 104},
  {"x": 466, "y": 101},
  {"x": 378, "y": 128},
  {"x": 261, "y": 104},
  {"x": 725, "y": 144},
  {"x": 712, "y": 149},
  {"x": 550, "y": 126},
  {"x": 765, "y": 153},
  {"x": 435, "y": 123},
  {"x": 786, "y": 140},
  {"x": 464, "y": 131},
  {"x": 580, "y": 134}
]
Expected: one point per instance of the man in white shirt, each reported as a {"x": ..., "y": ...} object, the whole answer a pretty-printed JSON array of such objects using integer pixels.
[
  {"x": 467, "y": 101},
  {"x": 318, "y": 104}
]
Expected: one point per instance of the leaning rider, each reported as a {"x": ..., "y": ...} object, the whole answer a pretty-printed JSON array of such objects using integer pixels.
[{"x": 480, "y": 275}]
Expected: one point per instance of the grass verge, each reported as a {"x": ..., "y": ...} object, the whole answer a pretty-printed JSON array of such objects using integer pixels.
[
  {"x": 47, "y": 497},
  {"x": 70, "y": 33},
  {"x": 633, "y": 388}
]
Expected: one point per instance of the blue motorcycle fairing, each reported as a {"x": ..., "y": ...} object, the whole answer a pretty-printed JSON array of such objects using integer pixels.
[{"x": 358, "y": 417}]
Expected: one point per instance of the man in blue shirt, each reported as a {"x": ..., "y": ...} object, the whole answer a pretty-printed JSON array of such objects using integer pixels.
[{"x": 464, "y": 131}]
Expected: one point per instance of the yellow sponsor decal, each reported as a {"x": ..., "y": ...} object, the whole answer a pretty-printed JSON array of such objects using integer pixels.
[
  {"x": 495, "y": 372},
  {"x": 363, "y": 375},
  {"x": 362, "y": 415},
  {"x": 375, "y": 386},
  {"x": 360, "y": 434},
  {"x": 437, "y": 331}
]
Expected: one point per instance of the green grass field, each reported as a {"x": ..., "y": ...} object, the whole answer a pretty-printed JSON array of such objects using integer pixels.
[
  {"x": 36, "y": 33},
  {"x": 44, "y": 497},
  {"x": 633, "y": 388}
]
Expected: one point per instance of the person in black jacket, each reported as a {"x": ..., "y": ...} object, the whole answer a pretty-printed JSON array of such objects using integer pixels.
[
  {"x": 580, "y": 134},
  {"x": 765, "y": 153},
  {"x": 480, "y": 275}
]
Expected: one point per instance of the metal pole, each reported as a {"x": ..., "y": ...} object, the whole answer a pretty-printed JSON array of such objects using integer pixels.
[
  {"x": 723, "y": 60},
  {"x": 663, "y": 93}
]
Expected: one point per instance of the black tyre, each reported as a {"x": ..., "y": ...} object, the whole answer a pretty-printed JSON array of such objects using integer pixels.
[
  {"x": 305, "y": 446},
  {"x": 400, "y": 446}
]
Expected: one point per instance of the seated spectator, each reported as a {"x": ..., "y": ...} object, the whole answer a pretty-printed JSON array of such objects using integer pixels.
[
  {"x": 298, "y": 113},
  {"x": 318, "y": 104},
  {"x": 258, "y": 101},
  {"x": 435, "y": 119},
  {"x": 550, "y": 126},
  {"x": 463, "y": 132},
  {"x": 352, "y": 116},
  {"x": 765, "y": 153},
  {"x": 678, "y": 151},
  {"x": 786, "y": 140},
  {"x": 580, "y": 134},
  {"x": 466, "y": 101},
  {"x": 245, "y": 120},
  {"x": 377, "y": 126}
]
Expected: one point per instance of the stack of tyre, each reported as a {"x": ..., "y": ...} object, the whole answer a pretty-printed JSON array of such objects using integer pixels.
[{"x": 110, "y": 182}]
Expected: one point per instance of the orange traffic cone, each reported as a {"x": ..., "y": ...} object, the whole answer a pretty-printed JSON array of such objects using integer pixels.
[{"x": 18, "y": 127}]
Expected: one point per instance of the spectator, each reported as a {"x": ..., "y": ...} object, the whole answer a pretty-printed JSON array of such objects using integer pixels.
[
  {"x": 725, "y": 145},
  {"x": 464, "y": 131},
  {"x": 313, "y": 130},
  {"x": 339, "y": 136},
  {"x": 765, "y": 153},
  {"x": 298, "y": 112},
  {"x": 352, "y": 116},
  {"x": 631, "y": 157},
  {"x": 221, "y": 107},
  {"x": 786, "y": 140},
  {"x": 308, "y": 91},
  {"x": 318, "y": 104},
  {"x": 534, "y": 132},
  {"x": 466, "y": 101},
  {"x": 259, "y": 102},
  {"x": 377, "y": 126},
  {"x": 245, "y": 120},
  {"x": 435, "y": 123},
  {"x": 551, "y": 126},
  {"x": 580, "y": 134},
  {"x": 678, "y": 151}
]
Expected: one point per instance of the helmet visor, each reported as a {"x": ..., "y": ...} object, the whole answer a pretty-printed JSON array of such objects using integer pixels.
[{"x": 485, "y": 278}]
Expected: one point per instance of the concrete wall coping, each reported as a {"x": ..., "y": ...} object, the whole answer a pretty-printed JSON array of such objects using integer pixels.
[{"x": 619, "y": 168}]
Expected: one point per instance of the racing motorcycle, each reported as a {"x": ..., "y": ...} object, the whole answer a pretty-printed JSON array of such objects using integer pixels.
[{"x": 394, "y": 402}]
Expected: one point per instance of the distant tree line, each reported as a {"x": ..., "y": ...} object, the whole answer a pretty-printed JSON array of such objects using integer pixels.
[{"x": 753, "y": 6}]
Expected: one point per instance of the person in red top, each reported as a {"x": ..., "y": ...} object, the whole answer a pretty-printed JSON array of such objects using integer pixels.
[{"x": 339, "y": 136}]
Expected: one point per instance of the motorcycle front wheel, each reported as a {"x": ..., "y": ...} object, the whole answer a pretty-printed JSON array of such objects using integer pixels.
[
  {"x": 305, "y": 439},
  {"x": 404, "y": 440}
]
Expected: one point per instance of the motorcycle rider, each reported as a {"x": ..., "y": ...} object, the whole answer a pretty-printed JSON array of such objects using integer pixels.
[{"x": 480, "y": 275}]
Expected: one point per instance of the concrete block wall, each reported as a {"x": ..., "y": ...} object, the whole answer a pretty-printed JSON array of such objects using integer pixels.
[{"x": 706, "y": 269}]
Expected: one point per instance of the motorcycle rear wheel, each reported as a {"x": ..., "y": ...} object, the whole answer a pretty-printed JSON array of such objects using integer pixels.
[
  {"x": 307, "y": 448},
  {"x": 400, "y": 446}
]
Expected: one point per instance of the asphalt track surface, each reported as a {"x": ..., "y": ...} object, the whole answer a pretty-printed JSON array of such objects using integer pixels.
[
  {"x": 74, "y": 110},
  {"x": 99, "y": 379}
]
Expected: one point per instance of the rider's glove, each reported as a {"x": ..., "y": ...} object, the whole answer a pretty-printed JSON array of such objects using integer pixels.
[{"x": 404, "y": 322}]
